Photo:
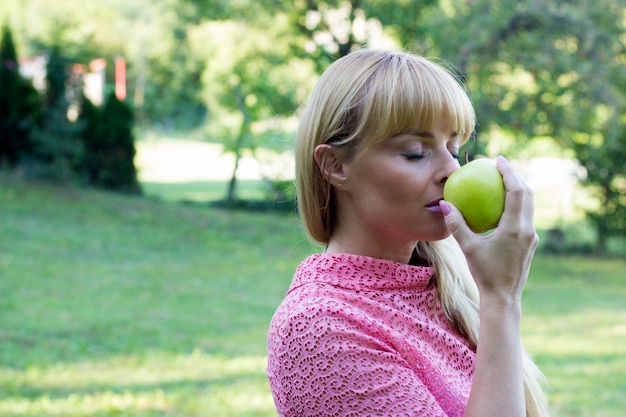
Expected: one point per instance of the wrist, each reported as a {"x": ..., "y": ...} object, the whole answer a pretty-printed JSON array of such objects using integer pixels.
[{"x": 500, "y": 307}]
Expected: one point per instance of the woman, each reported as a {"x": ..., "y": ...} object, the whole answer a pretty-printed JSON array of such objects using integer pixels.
[{"x": 386, "y": 320}]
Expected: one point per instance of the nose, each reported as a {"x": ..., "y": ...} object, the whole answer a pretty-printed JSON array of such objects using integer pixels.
[{"x": 448, "y": 166}]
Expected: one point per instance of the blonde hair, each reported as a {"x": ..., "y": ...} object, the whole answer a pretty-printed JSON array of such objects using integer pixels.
[{"x": 367, "y": 97}]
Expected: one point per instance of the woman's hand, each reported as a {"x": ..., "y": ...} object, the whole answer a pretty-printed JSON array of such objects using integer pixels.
[{"x": 500, "y": 261}]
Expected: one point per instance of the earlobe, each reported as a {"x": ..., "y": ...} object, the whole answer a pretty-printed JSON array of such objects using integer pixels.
[{"x": 330, "y": 165}]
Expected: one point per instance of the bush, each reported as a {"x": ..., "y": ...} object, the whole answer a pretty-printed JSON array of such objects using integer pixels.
[
  {"x": 282, "y": 190},
  {"x": 574, "y": 238},
  {"x": 109, "y": 146},
  {"x": 117, "y": 171},
  {"x": 19, "y": 104}
]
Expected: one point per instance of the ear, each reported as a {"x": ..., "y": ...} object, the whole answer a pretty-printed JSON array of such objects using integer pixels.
[{"x": 330, "y": 164}]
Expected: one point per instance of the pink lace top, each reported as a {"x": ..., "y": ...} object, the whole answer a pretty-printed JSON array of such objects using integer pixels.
[{"x": 360, "y": 336}]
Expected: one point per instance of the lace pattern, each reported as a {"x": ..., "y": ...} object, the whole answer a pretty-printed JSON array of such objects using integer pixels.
[{"x": 360, "y": 336}]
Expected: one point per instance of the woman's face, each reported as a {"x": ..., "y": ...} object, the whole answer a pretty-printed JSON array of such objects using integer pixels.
[{"x": 391, "y": 190}]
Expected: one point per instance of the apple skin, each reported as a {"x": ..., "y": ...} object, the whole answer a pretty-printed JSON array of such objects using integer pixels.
[{"x": 477, "y": 190}]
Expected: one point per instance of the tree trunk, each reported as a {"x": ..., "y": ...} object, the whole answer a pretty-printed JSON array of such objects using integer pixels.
[
  {"x": 603, "y": 226},
  {"x": 601, "y": 241},
  {"x": 230, "y": 196},
  {"x": 243, "y": 132}
]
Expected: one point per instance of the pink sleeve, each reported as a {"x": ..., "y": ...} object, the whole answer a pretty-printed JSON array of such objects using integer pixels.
[{"x": 327, "y": 360}]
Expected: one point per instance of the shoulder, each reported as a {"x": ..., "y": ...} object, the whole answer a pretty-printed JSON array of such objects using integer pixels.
[{"x": 306, "y": 309}]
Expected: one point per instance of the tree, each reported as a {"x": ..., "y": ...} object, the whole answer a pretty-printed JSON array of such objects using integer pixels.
[
  {"x": 334, "y": 28},
  {"x": 547, "y": 69},
  {"x": 163, "y": 78},
  {"x": 327, "y": 30},
  {"x": 251, "y": 85},
  {"x": 163, "y": 71},
  {"x": 55, "y": 145},
  {"x": 109, "y": 146},
  {"x": 18, "y": 105},
  {"x": 604, "y": 166},
  {"x": 89, "y": 165}
]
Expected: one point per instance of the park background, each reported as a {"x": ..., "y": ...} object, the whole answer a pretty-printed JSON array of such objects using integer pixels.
[{"x": 142, "y": 285}]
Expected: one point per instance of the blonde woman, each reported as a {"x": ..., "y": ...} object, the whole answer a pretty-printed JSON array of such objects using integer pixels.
[{"x": 406, "y": 312}]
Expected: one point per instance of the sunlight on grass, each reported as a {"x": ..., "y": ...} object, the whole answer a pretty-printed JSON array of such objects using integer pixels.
[
  {"x": 575, "y": 326},
  {"x": 87, "y": 404},
  {"x": 591, "y": 328},
  {"x": 204, "y": 191},
  {"x": 196, "y": 171},
  {"x": 170, "y": 384}
]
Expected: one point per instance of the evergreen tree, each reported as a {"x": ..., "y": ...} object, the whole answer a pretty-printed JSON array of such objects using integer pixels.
[
  {"x": 56, "y": 146},
  {"x": 18, "y": 105},
  {"x": 109, "y": 146},
  {"x": 89, "y": 118}
]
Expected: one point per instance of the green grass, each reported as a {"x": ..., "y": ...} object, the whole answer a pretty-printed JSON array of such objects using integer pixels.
[
  {"x": 124, "y": 306},
  {"x": 575, "y": 325},
  {"x": 205, "y": 191},
  {"x": 116, "y": 305}
]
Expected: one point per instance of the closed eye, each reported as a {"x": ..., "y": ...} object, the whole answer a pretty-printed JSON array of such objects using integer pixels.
[{"x": 413, "y": 156}]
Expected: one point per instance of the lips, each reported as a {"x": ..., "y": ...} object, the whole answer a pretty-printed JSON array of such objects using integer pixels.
[{"x": 434, "y": 205}]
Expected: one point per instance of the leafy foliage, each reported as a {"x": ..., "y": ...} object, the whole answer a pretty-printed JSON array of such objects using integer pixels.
[
  {"x": 251, "y": 85},
  {"x": 332, "y": 29},
  {"x": 550, "y": 69},
  {"x": 604, "y": 165}
]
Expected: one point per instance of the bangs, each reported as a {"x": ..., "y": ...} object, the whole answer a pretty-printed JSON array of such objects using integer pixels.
[{"x": 407, "y": 92}]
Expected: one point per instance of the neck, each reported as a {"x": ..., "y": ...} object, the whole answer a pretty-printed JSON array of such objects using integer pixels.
[{"x": 374, "y": 248}]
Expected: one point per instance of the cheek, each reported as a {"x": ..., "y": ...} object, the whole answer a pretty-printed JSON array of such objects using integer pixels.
[
  {"x": 391, "y": 188},
  {"x": 397, "y": 195}
]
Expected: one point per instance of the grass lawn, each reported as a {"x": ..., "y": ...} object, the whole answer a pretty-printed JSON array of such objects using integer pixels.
[
  {"x": 123, "y": 306},
  {"x": 205, "y": 191}
]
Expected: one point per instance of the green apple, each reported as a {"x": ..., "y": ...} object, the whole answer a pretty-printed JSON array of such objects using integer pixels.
[{"x": 477, "y": 190}]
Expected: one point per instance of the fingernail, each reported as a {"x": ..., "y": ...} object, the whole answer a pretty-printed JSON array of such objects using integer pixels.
[
  {"x": 445, "y": 208},
  {"x": 503, "y": 159}
]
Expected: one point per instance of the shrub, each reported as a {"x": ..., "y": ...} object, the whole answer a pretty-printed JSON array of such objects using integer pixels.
[
  {"x": 19, "y": 103},
  {"x": 109, "y": 146}
]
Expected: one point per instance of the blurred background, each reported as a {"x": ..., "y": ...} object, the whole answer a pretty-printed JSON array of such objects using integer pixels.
[{"x": 147, "y": 220}]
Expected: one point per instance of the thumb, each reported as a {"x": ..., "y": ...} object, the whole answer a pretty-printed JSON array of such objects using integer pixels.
[{"x": 456, "y": 224}]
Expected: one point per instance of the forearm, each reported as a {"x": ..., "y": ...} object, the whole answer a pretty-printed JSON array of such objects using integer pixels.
[{"x": 498, "y": 385}]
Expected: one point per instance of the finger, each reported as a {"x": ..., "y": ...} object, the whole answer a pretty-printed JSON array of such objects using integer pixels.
[
  {"x": 519, "y": 201},
  {"x": 457, "y": 226}
]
